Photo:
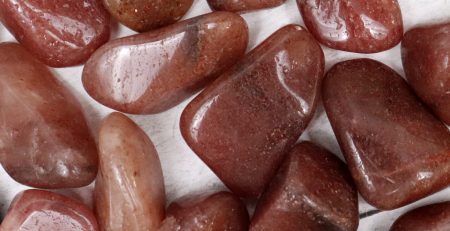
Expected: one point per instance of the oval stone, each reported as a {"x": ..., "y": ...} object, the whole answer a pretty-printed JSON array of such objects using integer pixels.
[
  {"x": 34, "y": 210},
  {"x": 215, "y": 212},
  {"x": 363, "y": 26},
  {"x": 435, "y": 217},
  {"x": 129, "y": 190},
  {"x": 152, "y": 72},
  {"x": 242, "y": 124},
  {"x": 243, "y": 5},
  {"x": 397, "y": 151},
  {"x": 44, "y": 138},
  {"x": 313, "y": 190},
  {"x": 426, "y": 54},
  {"x": 145, "y": 15},
  {"x": 60, "y": 33}
]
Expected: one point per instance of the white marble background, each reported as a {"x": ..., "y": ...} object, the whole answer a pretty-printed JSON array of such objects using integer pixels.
[{"x": 183, "y": 171}]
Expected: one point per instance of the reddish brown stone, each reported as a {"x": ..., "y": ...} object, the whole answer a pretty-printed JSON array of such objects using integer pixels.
[
  {"x": 216, "y": 212},
  {"x": 35, "y": 210},
  {"x": 243, "y": 5},
  {"x": 397, "y": 151},
  {"x": 129, "y": 190},
  {"x": 313, "y": 190},
  {"x": 426, "y": 54},
  {"x": 244, "y": 123},
  {"x": 44, "y": 139},
  {"x": 152, "y": 72},
  {"x": 434, "y": 217},
  {"x": 59, "y": 32},
  {"x": 145, "y": 15},
  {"x": 363, "y": 26}
]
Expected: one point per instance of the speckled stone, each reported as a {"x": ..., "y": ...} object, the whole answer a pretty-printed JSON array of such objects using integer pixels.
[
  {"x": 435, "y": 217},
  {"x": 243, "y": 5}
]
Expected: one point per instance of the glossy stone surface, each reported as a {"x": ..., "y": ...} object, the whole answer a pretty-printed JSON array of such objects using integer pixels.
[
  {"x": 435, "y": 217},
  {"x": 59, "y": 32},
  {"x": 36, "y": 210},
  {"x": 242, "y": 125},
  {"x": 397, "y": 151},
  {"x": 363, "y": 26},
  {"x": 152, "y": 72},
  {"x": 313, "y": 190},
  {"x": 129, "y": 190},
  {"x": 425, "y": 54},
  {"x": 44, "y": 139},
  {"x": 145, "y": 15},
  {"x": 243, "y": 5},
  {"x": 215, "y": 212}
]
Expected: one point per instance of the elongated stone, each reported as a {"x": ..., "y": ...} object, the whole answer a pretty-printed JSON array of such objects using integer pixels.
[
  {"x": 129, "y": 190},
  {"x": 216, "y": 212},
  {"x": 144, "y": 15},
  {"x": 242, "y": 124},
  {"x": 59, "y": 32},
  {"x": 243, "y": 5},
  {"x": 397, "y": 151},
  {"x": 363, "y": 26},
  {"x": 44, "y": 139},
  {"x": 34, "y": 210},
  {"x": 425, "y": 54},
  {"x": 313, "y": 190},
  {"x": 435, "y": 217},
  {"x": 152, "y": 72}
]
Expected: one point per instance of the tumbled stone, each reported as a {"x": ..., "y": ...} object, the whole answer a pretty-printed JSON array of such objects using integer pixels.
[
  {"x": 243, "y": 5},
  {"x": 242, "y": 125},
  {"x": 44, "y": 139},
  {"x": 435, "y": 217},
  {"x": 313, "y": 190},
  {"x": 363, "y": 26},
  {"x": 129, "y": 190},
  {"x": 425, "y": 54},
  {"x": 35, "y": 210},
  {"x": 397, "y": 151},
  {"x": 215, "y": 212},
  {"x": 152, "y": 72},
  {"x": 145, "y": 15},
  {"x": 59, "y": 32}
]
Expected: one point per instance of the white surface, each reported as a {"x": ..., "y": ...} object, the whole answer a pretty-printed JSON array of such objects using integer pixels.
[{"x": 183, "y": 171}]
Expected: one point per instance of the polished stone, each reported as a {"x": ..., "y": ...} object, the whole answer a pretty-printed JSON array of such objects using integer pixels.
[
  {"x": 129, "y": 190},
  {"x": 243, "y": 5},
  {"x": 45, "y": 141},
  {"x": 242, "y": 125},
  {"x": 363, "y": 26},
  {"x": 435, "y": 217},
  {"x": 397, "y": 151},
  {"x": 152, "y": 72},
  {"x": 313, "y": 191},
  {"x": 426, "y": 54},
  {"x": 59, "y": 32}
]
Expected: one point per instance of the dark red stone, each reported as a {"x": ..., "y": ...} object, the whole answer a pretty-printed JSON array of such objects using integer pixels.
[
  {"x": 215, "y": 212},
  {"x": 154, "y": 71},
  {"x": 59, "y": 32},
  {"x": 242, "y": 125},
  {"x": 36, "y": 210},
  {"x": 313, "y": 190},
  {"x": 435, "y": 217},
  {"x": 243, "y": 5},
  {"x": 363, "y": 26},
  {"x": 397, "y": 151},
  {"x": 426, "y": 54}
]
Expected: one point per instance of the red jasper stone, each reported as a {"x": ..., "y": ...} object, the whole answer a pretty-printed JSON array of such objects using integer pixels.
[
  {"x": 59, "y": 32},
  {"x": 313, "y": 190},
  {"x": 35, "y": 210},
  {"x": 215, "y": 212},
  {"x": 242, "y": 125},
  {"x": 152, "y": 72},
  {"x": 435, "y": 217},
  {"x": 44, "y": 139},
  {"x": 426, "y": 54},
  {"x": 363, "y": 26},
  {"x": 243, "y": 5},
  {"x": 397, "y": 151}
]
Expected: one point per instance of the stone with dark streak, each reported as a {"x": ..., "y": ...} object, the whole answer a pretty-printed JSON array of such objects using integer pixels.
[{"x": 243, "y": 5}]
